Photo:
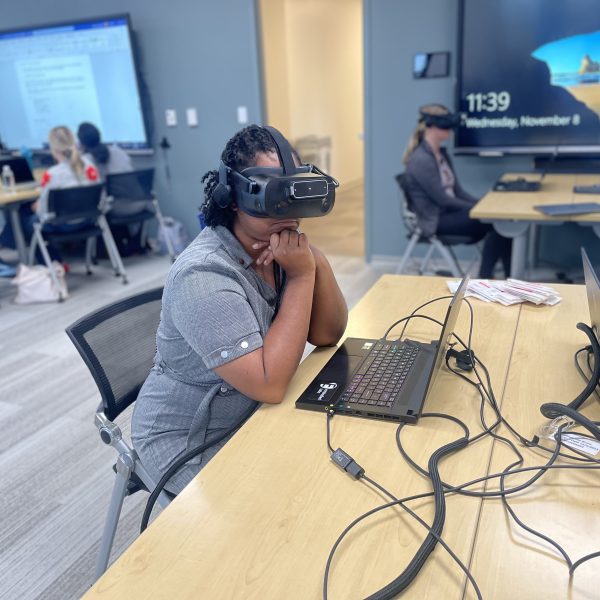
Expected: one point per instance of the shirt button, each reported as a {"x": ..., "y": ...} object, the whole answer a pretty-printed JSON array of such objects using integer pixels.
[
  {"x": 244, "y": 344},
  {"x": 224, "y": 354},
  {"x": 223, "y": 389},
  {"x": 241, "y": 261}
]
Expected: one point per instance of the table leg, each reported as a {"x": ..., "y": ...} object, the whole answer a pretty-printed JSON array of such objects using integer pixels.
[
  {"x": 13, "y": 211},
  {"x": 517, "y": 231}
]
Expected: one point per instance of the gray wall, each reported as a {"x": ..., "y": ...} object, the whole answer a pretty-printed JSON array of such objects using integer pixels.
[
  {"x": 394, "y": 30},
  {"x": 192, "y": 53}
]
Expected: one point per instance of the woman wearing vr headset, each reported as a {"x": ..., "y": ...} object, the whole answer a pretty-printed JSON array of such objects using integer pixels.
[
  {"x": 238, "y": 307},
  {"x": 442, "y": 206}
]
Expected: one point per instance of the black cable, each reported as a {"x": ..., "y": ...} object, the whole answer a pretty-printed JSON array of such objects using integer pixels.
[
  {"x": 589, "y": 389},
  {"x": 587, "y": 349},
  {"x": 329, "y": 417},
  {"x": 439, "y": 539},
  {"x": 409, "y": 511},
  {"x": 406, "y": 577},
  {"x": 185, "y": 458}
]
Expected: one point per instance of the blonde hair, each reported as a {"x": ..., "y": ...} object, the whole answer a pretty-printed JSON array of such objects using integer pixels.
[
  {"x": 417, "y": 135},
  {"x": 62, "y": 142}
]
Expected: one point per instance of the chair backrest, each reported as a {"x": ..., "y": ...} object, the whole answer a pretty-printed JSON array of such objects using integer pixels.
[
  {"x": 408, "y": 215},
  {"x": 67, "y": 204},
  {"x": 118, "y": 344},
  {"x": 133, "y": 185}
]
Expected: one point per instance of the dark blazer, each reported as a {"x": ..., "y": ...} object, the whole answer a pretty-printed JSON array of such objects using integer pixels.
[{"x": 427, "y": 197}]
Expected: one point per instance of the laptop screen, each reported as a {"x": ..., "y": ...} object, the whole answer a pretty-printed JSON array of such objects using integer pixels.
[
  {"x": 20, "y": 168},
  {"x": 447, "y": 330},
  {"x": 592, "y": 285}
]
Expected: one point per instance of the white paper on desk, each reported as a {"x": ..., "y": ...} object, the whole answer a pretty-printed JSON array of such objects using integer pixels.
[
  {"x": 453, "y": 286},
  {"x": 581, "y": 443}
]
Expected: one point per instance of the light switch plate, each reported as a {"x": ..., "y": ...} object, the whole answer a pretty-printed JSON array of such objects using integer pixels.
[
  {"x": 242, "y": 114},
  {"x": 171, "y": 117},
  {"x": 192, "y": 117}
]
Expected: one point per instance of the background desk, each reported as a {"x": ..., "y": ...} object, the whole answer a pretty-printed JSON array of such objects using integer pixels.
[
  {"x": 10, "y": 203},
  {"x": 260, "y": 519},
  {"x": 512, "y": 213}
]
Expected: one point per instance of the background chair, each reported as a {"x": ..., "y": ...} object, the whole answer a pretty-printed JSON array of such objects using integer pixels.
[
  {"x": 442, "y": 244},
  {"x": 118, "y": 343},
  {"x": 135, "y": 189},
  {"x": 69, "y": 207}
]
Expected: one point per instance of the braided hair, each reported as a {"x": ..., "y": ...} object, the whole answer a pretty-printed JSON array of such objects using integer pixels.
[{"x": 240, "y": 153}]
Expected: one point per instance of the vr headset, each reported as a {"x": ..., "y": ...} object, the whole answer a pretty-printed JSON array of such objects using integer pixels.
[
  {"x": 447, "y": 121},
  {"x": 290, "y": 191}
]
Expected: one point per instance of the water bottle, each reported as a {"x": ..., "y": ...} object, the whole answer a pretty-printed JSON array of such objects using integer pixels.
[{"x": 8, "y": 179}]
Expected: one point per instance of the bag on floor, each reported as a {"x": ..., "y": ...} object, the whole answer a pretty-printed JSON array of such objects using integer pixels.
[
  {"x": 177, "y": 235},
  {"x": 35, "y": 284}
]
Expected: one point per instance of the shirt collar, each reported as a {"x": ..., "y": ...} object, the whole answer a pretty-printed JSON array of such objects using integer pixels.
[{"x": 233, "y": 247}]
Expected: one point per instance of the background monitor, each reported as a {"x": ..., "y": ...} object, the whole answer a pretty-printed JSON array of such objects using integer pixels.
[
  {"x": 529, "y": 76},
  {"x": 63, "y": 74}
]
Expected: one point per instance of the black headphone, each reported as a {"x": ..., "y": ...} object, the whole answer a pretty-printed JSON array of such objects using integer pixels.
[{"x": 222, "y": 192}]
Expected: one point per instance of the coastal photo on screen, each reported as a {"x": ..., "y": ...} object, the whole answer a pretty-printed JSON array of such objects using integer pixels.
[{"x": 529, "y": 75}]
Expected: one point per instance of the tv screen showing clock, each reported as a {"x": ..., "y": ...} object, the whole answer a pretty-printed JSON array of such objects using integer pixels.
[
  {"x": 63, "y": 74},
  {"x": 529, "y": 76}
]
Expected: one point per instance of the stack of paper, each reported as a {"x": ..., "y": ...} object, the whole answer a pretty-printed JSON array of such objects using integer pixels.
[{"x": 511, "y": 291}]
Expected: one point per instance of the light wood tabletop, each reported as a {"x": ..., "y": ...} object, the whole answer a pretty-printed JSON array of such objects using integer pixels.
[
  {"x": 509, "y": 562},
  {"x": 7, "y": 198},
  {"x": 260, "y": 519},
  {"x": 556, "y": 188}
]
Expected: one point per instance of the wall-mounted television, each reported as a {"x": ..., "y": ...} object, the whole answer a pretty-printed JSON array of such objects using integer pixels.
[
  {"x": 529, "y": 77},
  {"x": 66, "y": 73}
]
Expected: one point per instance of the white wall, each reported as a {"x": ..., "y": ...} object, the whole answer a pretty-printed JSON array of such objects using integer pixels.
[{"x": 320, "y": 91}]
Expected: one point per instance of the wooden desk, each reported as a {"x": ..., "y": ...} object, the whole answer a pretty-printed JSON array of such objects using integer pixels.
[
  {"x": 562, "y": 504},
  {"x": 261, "y": 518},
  {"x": 512, "y": 213},
  {"x": 10, "y": 203}
]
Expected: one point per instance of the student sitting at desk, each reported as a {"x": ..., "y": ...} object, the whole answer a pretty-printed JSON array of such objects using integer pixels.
[
  {"x": 70, "y": 170},
  {"x": 442, "y": 206},
  {"x": 109, "y": 160},
  {"x": 238, "y": 307}
]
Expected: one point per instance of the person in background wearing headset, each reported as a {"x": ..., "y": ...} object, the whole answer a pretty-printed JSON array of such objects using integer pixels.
[
  {"x": 442, "y": 206},
  {"x": 238, "y": 307}
]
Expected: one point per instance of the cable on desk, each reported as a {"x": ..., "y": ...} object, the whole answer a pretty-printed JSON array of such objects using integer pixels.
[
  {"x": 434, "y": 531},
  {"x": 589, "y": 355},
  {"x": 503, "y": 492}
]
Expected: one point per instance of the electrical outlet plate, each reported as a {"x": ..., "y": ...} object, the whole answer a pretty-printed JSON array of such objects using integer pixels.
[{"x": 171, "y": 117}]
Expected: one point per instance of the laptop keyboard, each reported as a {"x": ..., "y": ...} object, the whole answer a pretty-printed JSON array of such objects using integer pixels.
[{"x": 382, "y": 374}]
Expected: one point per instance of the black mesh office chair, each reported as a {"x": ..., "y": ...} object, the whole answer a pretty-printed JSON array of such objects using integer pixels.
[
  {"x": 118, "y": 343},
  {"x": 134, "y": 189},
  {"x": 442, "y": 243},
  {"x": 70, "y": 206}
]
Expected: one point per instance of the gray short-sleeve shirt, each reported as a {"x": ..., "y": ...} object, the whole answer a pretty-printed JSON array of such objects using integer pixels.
[{"x": 215, "y": 308}]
